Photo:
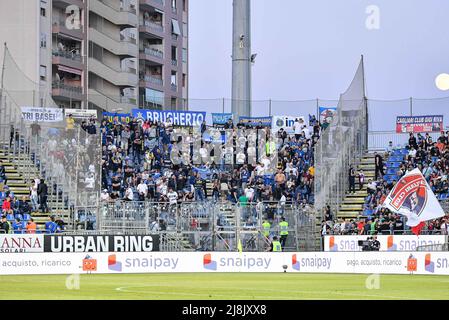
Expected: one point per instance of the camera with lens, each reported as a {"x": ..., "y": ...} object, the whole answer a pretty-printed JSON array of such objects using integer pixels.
[{"x": 370, "y": 244}]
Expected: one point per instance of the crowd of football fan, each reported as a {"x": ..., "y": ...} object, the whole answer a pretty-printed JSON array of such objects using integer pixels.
[
  {"x": 430, "y": 157},
  {"x": 136, "y": 165}
]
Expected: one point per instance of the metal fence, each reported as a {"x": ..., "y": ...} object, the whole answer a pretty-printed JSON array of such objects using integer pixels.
[
  {"x": 344, "y": 141},
  {"x": 215, "y": 226}
]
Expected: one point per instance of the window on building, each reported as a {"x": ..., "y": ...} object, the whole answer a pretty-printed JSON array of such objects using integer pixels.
[
  {"x": 175, "y": 25},
  {"x": 184, "y": 55},
  {"x": 173, "y": 4},
  {"x": 174, "y": 53},
  {"x": 43, "y": 73},
  {"x": 154, "y": 96},
  {"x": 173, "y": 102},
  {"x": 184, "y": 80},
  {"x": 174, "y": 78},
  {"x": 43, "y": 40},
  {"x": 184, "y": 5},
  {"x": 43, "y": 12},
  {"x": 184, "y": 30}
]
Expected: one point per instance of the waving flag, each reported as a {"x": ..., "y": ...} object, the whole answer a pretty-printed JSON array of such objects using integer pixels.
[{"x": 413, "y": 198}]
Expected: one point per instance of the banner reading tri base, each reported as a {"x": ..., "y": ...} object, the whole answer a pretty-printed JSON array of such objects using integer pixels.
[{"x": 206, "y": 309}]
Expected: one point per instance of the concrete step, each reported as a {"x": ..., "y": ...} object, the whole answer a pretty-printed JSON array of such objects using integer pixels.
[{"x": 354, "y": 200}]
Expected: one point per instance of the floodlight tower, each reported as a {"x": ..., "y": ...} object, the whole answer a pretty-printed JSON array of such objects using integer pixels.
[{"x": 241, "y": 58}]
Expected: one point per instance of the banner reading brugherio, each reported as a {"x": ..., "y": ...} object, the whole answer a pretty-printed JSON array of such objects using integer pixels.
[
  {"x": 34, "y": 114},
  {"x": 419, "y": 124},
  {"x": 101, "y": 243},
  {"x": 177, "y": 118}
]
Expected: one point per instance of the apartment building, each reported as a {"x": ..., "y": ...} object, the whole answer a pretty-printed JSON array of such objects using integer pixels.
[{"x": 112, "y": 55}]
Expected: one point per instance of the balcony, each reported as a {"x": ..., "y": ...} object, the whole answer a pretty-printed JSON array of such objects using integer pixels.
[
  {"x": 109, "y": 103},
  {"x": 153, "y": 25},
  {"x": 152, "y": 55},
  {"x": 125, "y": 17},
  {"x": 115, "y": 76},
  {"x": 174, "y": 37},
  {"x": 60, "y": 27},
  {"x": 152, "y": 28},
  {"x": 124, "y": 48},
  {"x": 174, "y": 87},
  {"x": 65, "y": 3},
  {"x": 153, "y": 52},
  {"x": 152, "y": 4},
  {"x": 151, "y": 81},
  {"x": 67, "y": 58},
  {"x": 65, "y": 91},
  {"x": 174, "y": 63}
]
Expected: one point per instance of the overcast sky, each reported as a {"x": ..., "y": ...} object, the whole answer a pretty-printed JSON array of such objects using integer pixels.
[{"x": 310, "y": 48}]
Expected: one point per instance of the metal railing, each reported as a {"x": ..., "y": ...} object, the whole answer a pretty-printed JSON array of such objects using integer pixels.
[
  {"x": 211, "y": 226},
  {"x": 379, "y": 140},
  {"x": 63, "y": 86},
  {"x": 153, "y": 52},
  {"x": 153, "y": 25},
  {"x": 67, "y": 55},
  {"x": 153, "y": 80}
]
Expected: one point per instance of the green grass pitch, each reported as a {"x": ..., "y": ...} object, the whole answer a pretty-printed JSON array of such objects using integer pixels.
[{"x": 224, "y": 286}]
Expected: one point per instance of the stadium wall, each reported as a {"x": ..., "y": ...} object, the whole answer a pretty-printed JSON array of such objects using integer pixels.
[
  {"x": 387, "y": 242},
  {"x": 425, "y": 263}
]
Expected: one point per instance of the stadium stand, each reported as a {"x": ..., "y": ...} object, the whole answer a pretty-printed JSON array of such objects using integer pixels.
[{"x": 431, "y": 157}]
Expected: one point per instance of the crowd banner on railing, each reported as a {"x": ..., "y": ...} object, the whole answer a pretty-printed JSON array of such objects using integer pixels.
[
  {"x": 101, "y": 243},
  {"x": 177, "y": 118},
  {"x": 117, "y": 118},
  {"x": 285, "y": 122},
  {"x": 221, "y": 118},
  {"x": 327, "y": 113},
  {"x": 21, "y": 243},
  {"x": 387, "y": 242},
  {"x": 416, "y": 124},
  {"x": 83, "y": 114},
  {"x": 256, "y": 121},
  {"x": 425, "y": 263},
  {"x": 35, "y": 114},
  {"x": 24, "y": 243}
]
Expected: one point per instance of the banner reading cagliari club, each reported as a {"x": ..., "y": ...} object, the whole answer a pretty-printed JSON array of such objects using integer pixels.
[
  {"x": 177, "y": 118},
  {"x": 419, "y": 124},
  {"x": 413, "y": 198}
]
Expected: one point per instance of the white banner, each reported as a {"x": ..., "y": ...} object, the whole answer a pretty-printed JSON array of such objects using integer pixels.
[
  {"x": 285, "y": 122},
  {"x": 413, "y": 198},
  {"x": 33, "y": 114},
  {"x": 387, "y": 242},
  {"x": 81, "y": 113},
  {"x": 20, "y": 243},
  {"x": 165, "y": 262}
]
